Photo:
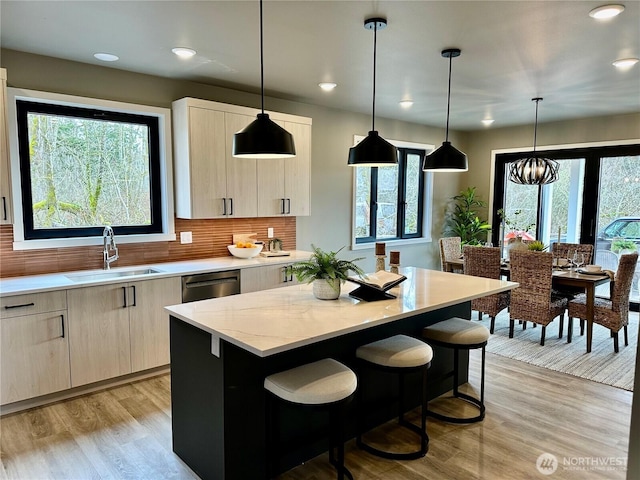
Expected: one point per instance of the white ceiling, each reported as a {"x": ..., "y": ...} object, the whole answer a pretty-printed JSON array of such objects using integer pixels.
[{"x": 511, "y": 51}]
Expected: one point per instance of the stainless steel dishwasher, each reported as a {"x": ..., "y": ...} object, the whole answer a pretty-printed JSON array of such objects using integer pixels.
[{"x": 202, "y": 286}]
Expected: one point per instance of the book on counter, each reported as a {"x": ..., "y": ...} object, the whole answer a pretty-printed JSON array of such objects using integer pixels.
[{"x": 374, "y": 286}]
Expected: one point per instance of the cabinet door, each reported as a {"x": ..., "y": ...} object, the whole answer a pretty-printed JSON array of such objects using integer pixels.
[
  {"x": 149, "y": 323},
  {"x": 241, "y": 172},
  {"x": 35, "y": 356},
  {"x": 264, "y": 278},
  {"x": 99, "y": 343},
  {"x": 5, "y": 178},
  {"x": 271, "y": 196},
  {"x": 297, "y": 172},
  {"x": 207, "y": 163}
]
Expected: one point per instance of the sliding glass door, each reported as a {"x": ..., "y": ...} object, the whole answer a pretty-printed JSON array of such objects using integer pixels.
[{"x": 595, "y": 200}]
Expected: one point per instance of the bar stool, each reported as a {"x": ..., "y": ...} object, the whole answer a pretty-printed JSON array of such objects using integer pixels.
[
  {"x": 400, "y": 355},
  {"x": 459, "y": 334},
  {"x": 326, "y": 384}
]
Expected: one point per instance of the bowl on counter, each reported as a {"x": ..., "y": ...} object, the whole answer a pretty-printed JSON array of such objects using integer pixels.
[{"x": 245, "y": 252}]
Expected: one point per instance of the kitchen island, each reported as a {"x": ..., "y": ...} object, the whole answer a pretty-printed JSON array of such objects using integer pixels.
[{"x": 222, "y": 349}]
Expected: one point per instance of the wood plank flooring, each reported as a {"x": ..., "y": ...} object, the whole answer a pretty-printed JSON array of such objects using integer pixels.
[{"x": 125, "y": 433}]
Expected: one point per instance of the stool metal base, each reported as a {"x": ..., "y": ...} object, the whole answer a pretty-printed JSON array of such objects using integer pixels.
[
  {"x": 420, "y": 431},
  {"x": 477, "y": 402}
]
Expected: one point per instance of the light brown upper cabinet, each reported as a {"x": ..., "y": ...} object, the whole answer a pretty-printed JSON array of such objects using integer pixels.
[
  {"x": 6, "y": 211},
  {"x": 211, "y": 183}
]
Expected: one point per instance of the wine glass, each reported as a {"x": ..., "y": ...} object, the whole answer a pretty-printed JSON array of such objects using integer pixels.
[{"x": 578, "y": 259}]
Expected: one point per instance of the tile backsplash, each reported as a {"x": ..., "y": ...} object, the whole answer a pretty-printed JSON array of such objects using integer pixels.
[{"x": 210, "y": 239}]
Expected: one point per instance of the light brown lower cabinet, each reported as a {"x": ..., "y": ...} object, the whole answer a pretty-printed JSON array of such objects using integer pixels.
[
  {"x": 119, "y": 328},
  {"x": 265, "y": 278},
  {"x": 34, "y": 345}
]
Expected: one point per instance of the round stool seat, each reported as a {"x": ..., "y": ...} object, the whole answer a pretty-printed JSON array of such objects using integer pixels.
[
  {"x": 399, "y": 351},
  {"x": 324, "y": 381},
  {"x": 457, "y": 331}
]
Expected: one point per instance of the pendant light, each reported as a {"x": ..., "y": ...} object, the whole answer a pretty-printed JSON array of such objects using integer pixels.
[
  {"x": 447, "y": 158},
  {"x": 534, "y": 170},
  {"x": 263, "y": 138},
  {"x": 373, "y": 151}
]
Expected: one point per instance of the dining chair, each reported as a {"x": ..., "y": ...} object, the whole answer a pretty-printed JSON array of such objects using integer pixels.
[
  {"x": 485, "y": 262},
  {"x": 533, "y": 301},
  {"x": 612, "y": 313},
  {"x": 450, "y": 249},
  {"x": 566, "y": 250}
]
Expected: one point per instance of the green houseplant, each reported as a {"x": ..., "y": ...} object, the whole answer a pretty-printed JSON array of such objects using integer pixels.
[
  {"x": 622, "y": 246},
  {"x": 463, "y": 220},
  {"x": 326, "y": 271},
  {"x": 537, "y": 246}
]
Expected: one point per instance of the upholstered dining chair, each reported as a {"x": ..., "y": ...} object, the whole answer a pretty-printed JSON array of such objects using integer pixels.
[
  {"x": 611, "y": 313},
  {"x": 450, "y": 249},
  {"x": 533, "y": 300},
  {"x": 485, "y": 262}
]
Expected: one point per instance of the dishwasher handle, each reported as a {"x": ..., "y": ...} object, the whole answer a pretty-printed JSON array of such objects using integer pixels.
[{"x": 207, "y": 283}]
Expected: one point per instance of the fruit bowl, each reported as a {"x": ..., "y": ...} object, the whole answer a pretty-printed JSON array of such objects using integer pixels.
[{"x": 245, "y": 252}]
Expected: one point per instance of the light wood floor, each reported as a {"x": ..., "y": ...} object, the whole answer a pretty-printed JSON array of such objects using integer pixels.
[{"x": 125, "y": 433}]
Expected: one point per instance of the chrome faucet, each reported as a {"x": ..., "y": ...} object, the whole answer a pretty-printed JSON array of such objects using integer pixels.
[{"x": 109, "y": 246}]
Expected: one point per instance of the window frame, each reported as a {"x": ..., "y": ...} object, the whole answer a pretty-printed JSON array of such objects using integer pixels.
[
  {"x": 161, "y": 181},
  {"x": 424, "y": 213}
]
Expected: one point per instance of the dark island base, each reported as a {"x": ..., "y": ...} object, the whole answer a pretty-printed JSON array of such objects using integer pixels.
[{"x": 218, "y": 404}]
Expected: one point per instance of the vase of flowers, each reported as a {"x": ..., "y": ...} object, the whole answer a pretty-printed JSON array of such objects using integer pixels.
[{"x": 518, "y": 230}]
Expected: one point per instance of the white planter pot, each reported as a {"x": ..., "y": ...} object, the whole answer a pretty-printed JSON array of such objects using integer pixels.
[{"x": 324, "y": 290}]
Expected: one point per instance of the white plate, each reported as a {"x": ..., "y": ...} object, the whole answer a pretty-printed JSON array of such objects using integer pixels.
[{"x": 584, "y": 272}]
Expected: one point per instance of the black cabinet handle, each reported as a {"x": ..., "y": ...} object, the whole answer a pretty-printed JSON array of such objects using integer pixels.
[
  {"x": 62, "y": 325},
  {"x": 231, "y": 206},
  {"x": 288, "y": 205},
  {"x": 4, "y": 208},
  {"x": 285, "y": 277},
  {"x": 124, "y": 296},
  {"x": 224, "y": 206},
  {"x": 282, "y": 206},
  {"x": 8, "y": 307},
  {"x": 134, "y": 295}
]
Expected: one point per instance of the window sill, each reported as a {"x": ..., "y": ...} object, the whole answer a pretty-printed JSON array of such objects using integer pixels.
[
  {"x": 390, "y": 243},
  {"x": 84, "y": 241}
]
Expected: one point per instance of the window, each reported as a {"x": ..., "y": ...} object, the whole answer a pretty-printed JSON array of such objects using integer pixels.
[
  {"x": 389, "y": 201},
  {"x": 83, "y": 166}
]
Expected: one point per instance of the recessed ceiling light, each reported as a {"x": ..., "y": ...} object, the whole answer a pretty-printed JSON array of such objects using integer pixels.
[
  {"x": 624, "y": 63},
  {"x": 327, "y": 86},
  {"x": 106, "y": 57},
  {"x": 606, "y": 11},
  {"x": 487, "y": 121},
  {"x": 406, "y": 103},
  {"x": 183, "y": 52}
]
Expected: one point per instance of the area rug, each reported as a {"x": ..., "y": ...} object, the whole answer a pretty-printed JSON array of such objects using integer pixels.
[{"x": 602, "y": 365}]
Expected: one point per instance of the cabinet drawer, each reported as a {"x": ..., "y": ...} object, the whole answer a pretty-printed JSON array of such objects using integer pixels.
[{"x": 29, "y": 304}]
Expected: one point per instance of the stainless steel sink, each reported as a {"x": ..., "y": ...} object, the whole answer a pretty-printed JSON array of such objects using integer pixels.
[{"x": 110, "y": 274}]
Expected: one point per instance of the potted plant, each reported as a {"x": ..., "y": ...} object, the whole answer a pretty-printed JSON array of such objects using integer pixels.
[
  {"x": 463, "y": 220},
  {"x": 326, "y": 271},
  {"x": 518, "y": 230},
  {"x": 621, "y": 246},
  {"x": 536, "y": 246}
]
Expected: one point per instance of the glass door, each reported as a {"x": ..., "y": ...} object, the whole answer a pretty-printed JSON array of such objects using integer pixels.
[{"x": 618, "y": 216}]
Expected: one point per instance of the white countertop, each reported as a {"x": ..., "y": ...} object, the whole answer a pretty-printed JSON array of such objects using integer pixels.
[
  {"x": 56, "y": 281},
  {"x": 274, "y": 321}
]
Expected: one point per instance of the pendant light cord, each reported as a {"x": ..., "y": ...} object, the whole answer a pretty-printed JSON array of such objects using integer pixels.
[
  {"x": 535, "y": 128},
  {"x": 261, "y": 61},
  {"x": 375, "y": 43},
  {"x": 446, "y": 139}
]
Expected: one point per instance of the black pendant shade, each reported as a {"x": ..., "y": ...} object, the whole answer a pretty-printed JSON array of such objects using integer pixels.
[
  {"x": 373, "y": 151},
  {"x": 534, "y": 170},
  {"x": 263, "y": 138},
  {"x": 447, "y": 158}
]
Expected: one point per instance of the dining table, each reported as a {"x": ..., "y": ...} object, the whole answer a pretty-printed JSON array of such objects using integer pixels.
[{"x": 561, "y": 277}]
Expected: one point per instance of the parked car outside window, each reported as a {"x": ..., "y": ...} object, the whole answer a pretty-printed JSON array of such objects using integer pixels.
[{"x": 623, "y": 228}]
